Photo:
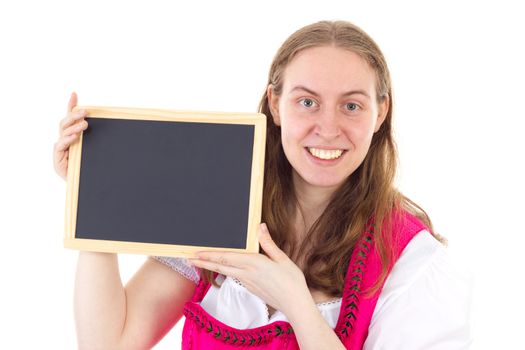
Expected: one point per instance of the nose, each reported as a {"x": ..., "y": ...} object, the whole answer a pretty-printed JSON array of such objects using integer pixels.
[{"x": 327, "y": 126}]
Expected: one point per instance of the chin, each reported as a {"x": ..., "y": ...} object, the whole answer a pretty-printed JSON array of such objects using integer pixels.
[
  {"x": 323, "y": 181},
  {"x": 327, "y": 184}
]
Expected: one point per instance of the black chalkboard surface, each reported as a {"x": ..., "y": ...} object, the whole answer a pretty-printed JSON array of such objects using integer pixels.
[{"x": 161, "y": 182}]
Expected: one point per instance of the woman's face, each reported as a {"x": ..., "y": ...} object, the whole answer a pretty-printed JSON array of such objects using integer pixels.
[{"x": 328, "y": 113}]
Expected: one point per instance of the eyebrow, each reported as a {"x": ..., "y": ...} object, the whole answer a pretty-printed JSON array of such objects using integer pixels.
[{"x": 348, "y": 93}]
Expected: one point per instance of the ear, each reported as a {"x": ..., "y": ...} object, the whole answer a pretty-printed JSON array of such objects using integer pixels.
[
  {"x": 382, "y": 111},
  {"x": 273, "y": 103}
]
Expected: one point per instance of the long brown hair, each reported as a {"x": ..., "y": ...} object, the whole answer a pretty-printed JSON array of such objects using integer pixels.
[{"x": 369, "y": 192}]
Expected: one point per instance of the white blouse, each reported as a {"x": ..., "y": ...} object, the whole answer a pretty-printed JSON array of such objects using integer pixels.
[{"x": 424, "y": 304}]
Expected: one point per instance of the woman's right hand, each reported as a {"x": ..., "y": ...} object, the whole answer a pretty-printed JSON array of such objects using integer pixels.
[{"x": 70, "y": 128}]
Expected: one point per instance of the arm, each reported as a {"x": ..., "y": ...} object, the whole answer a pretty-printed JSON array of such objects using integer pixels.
[
  {"x": 310, "y": 328},
  {"x": 109, "y": 316}
]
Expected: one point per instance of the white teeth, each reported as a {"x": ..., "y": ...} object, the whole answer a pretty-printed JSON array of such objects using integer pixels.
[{"x": 324, "y": 153}]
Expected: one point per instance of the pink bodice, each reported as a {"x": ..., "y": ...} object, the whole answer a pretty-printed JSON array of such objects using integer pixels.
[{"x": 203, "y": 331}]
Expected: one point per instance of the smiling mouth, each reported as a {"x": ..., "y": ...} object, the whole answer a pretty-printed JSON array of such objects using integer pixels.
[{"x": 326, "y": 154}]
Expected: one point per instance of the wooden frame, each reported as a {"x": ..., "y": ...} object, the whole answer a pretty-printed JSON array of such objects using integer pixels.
[{"x": 256, "y": 183}]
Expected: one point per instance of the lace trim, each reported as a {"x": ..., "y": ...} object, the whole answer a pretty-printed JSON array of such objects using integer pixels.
[
  {"x": 180, "y": 265},
  {"x": 267, "y": 312},
  {"x": 330, "y": 302},
  {"x": 324, "y": 303},
  {"x": 237, "y": 281}
]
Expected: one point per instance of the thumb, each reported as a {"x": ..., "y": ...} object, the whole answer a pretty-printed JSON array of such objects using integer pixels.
[
  {"x": 73, "y": 100},
  {"x": 268, "y": 245}
]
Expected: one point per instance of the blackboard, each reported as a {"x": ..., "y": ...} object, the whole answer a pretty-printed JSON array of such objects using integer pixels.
[{"x": 162, "y": 182}]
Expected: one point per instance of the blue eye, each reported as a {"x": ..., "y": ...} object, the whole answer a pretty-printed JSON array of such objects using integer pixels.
[
  {"x": 351, "y": 106},
  {"x": 307, "y": 102}
]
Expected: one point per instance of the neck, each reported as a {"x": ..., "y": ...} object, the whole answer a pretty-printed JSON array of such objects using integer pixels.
[{"x": 312, "y": 201}]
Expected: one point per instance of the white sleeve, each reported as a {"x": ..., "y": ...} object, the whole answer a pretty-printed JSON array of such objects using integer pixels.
[
  {"x": 425, "y": 302},
  {"x": 180, "y": 265}
]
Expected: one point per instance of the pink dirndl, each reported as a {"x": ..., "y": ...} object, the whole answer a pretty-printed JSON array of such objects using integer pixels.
[{"x": 202, "y": 331}]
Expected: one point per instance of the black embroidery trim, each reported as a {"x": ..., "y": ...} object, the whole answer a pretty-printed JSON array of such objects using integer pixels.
[
  {"x": 350, "y": 301},
  {"x": 353, "y": 288},
  {"x": 237, "y": 338}
]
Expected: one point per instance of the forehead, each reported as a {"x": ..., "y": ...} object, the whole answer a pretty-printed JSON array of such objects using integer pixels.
[{"x": 329, "y": 69}]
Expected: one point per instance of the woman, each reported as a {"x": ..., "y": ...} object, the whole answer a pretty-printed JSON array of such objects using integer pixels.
[{"x": 335, "y": 229}]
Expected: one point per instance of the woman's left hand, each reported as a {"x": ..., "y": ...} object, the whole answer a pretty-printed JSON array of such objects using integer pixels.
[{"x": 275, "y": 278}]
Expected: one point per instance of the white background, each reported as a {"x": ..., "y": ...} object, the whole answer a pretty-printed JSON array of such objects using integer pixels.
[{"x": 458, "y": 77}]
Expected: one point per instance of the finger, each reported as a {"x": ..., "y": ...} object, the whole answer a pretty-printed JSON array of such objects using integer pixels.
[
  {"x": 71, "y": 119},
  {"x": 73, "y": 100},
  {"x": 64, "y": 142},
  {"x": 238, "y": 260},
  {"x": 212, "y": 266},
  {"x": 269, "y": 246},
  {"x": 81, "y": 125}
]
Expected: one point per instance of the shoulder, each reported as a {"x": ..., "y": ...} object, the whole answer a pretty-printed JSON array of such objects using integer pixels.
[{"x": 425, "y": 302}]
